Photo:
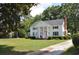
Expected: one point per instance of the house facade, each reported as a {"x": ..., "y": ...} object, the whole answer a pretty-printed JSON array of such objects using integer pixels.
[{"x": 49, "y": 28}]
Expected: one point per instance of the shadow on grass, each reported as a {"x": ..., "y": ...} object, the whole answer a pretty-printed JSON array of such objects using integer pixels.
[
  {"x": 71, "y": 51},
  {"x": 8, "y": 50}
]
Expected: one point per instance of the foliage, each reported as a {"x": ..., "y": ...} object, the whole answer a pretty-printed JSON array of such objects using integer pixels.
[
  {"x": 49, "y": 38},
  {"x": 67, "y": 37},
  {"x": 51, "y": 13},
  {"x": 21, "y": 33},
  {"x": 3, "y": 34},
  {"x": 71, "y": 51},
  {"x": 71, "y": 11},
  {"x": 10, "y": 15},
  {"x": 33, "y": 38},
  {"x": 75, "y": 40},
  {"x": 26, "y": 23},
  {"x": 60, "y": 37}
]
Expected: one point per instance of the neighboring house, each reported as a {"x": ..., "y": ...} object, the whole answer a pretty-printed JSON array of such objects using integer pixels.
[{"x": 49, "y": 28}]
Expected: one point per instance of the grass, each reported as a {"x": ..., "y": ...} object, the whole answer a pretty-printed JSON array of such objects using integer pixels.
[
  {"x": 72, "y": 51},
  {"x": 22, "y": 45}
]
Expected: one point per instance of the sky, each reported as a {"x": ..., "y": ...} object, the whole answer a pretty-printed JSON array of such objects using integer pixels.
[{"x": 36, "y": 10}]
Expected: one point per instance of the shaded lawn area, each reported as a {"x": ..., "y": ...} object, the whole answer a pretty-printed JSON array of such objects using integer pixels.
[
  {"x": 71, "y": 51},
  {"x": 23, "y": 46}
]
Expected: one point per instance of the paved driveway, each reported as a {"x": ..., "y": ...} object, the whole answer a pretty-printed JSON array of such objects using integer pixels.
[{"x": 57, "y": 49}]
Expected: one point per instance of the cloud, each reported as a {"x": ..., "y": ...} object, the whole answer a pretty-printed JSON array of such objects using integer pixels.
[{"x": 36, "y": 10}]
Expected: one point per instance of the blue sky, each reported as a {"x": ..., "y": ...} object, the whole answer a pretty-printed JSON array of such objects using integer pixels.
[{"x": 36, "y": 10}]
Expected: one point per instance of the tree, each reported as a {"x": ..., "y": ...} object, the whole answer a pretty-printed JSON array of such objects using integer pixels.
[
  {"x": 51, "y": 13},
  {"x": 70, "y": 10},
  {"x": 26, "y": 23},
  {"x": 10, "y": 15}
]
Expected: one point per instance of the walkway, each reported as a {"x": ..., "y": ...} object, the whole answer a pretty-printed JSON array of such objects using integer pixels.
[{"x": 57, "y": 49}]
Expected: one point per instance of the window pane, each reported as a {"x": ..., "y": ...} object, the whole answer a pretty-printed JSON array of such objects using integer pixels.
[
  {"x": 55, "y": 27},
  {"x": 55, "y": 33}
]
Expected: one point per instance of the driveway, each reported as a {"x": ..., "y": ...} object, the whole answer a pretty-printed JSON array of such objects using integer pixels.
[{"x": 56, "y": 49}]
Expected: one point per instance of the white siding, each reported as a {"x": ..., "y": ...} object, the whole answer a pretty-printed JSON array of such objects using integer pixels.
[
  {"x": 60, "y": 30},
  {"x": 37, "y": 25},
  {"x": 50, "y": 29}
]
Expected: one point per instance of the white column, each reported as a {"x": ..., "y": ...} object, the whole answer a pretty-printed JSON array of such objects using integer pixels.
[
  {"x": 38, "y": 32},
  {"x": 43, "y": 32},
  {"x": 47, "y": 32},
  {"x": 30, "y": 31}
]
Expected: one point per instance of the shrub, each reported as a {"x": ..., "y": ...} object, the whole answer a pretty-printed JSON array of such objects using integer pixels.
[
  {"x": 75, "y": 40},
  {"x": 21, "y": 32},
  {"x": 4, "y": 35},
  {"x": 49, "y": 38},
  {"x": 32, "y": 37},
  {"x": 67, "y": 37},
  {"x": 60, "y": 37},
  {"x": 55, "y": 37}
]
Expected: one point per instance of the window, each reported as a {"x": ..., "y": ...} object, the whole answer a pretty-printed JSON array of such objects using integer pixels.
[
  {"x": 34, "y": 28},
  {"x": 55, "y": 27},
  {"x": 55, "y": 33}
]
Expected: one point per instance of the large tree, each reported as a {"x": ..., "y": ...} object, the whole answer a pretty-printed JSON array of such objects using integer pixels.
[
  {"x": 10, "y": 15},
  {"x": 51, "y": 13},
  {"x": 72, "y": 12}
]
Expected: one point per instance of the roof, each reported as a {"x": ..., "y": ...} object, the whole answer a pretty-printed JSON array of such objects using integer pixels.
[
  {"x": 55, "y": 22},
  {"x": 51, "y": 22}
]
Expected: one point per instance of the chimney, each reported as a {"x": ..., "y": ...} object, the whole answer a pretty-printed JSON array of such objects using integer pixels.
[{"x": 65, "y": 25}]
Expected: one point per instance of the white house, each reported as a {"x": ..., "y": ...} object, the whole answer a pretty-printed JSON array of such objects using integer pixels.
[{"x": 49, "y": 28}]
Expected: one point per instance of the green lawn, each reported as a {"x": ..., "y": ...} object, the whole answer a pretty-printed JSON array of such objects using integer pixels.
[
  {"x": 9, "y": 46},
  {"x": 71, "y": 51}
]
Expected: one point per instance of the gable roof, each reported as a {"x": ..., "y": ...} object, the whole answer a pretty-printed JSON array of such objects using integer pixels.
[
  {"x": 39, "y": 23},
  {"x": 50, "y": 22},
  {"x": 55, "y": 22}
]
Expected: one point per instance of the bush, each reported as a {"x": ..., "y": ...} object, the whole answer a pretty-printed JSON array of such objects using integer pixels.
[
  {"x": 55, "y": 37},
  {"x": 4, "y": 35},
  {"x": 75, "y": 40},
  {"x": 59, "y": 37},
  {"x": 21, "y": 33},
  {"x": 49, "y": 38},
  {"x": 32, "y": 37},
  {"x": 67, "y": 37}
]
